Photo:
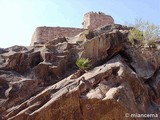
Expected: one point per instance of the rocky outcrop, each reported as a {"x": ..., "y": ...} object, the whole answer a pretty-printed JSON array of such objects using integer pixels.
[{"x": 41, "y": 82}]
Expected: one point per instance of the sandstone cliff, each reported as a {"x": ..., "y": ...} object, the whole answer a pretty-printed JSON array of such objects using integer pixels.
[{"x": 37, "y": 83}]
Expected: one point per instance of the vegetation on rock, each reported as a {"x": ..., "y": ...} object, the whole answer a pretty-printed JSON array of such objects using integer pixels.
[
  {"x": 144, "y": 32},
  {"x": 135, "y": 36},
  {"x": 83, "y": 63}
]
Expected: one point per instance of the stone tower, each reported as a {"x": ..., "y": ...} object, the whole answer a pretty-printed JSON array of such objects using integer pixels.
[{"x": 93, "y": 20}]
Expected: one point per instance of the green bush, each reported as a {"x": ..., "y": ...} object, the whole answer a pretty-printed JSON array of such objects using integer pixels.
[
  {"x": 135, "y": 35},
  {"x": 83, "y": 63},
  {"x": 151, "y": 43},
  {"x": 145, "y": 32}
]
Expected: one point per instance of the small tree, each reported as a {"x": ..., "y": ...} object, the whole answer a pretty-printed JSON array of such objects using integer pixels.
[
  {"x": 150, "y": 32},
  {"x": 135, "y": 35},
  {"x": 83, "y": 63}
]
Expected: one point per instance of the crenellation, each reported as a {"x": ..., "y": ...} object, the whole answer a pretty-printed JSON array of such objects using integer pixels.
[{"x": 94, "y": 13}]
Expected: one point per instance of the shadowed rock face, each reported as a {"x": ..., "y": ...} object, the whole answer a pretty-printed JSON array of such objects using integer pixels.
[{"x": 39, "y": 83}]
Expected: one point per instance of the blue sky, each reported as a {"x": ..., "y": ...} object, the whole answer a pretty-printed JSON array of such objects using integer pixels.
[{"x": 19, "y": 18}]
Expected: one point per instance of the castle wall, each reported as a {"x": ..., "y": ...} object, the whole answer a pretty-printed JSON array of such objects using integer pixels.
[
  {"x": 44, "y": 34},
  {"x": 94, "y": 20}
]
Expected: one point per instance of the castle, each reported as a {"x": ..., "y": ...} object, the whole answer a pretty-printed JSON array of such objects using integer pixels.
[{"x": 91, "y": 21}]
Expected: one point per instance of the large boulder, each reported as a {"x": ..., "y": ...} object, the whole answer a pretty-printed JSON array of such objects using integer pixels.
[{"x": 144, "y": 66}]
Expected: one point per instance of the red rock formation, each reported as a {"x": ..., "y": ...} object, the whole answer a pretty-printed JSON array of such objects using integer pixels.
[{"x": 37, "y": 83}]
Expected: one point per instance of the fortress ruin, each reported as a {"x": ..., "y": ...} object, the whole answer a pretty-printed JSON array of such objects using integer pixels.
[{"x": 91, "y": 21}]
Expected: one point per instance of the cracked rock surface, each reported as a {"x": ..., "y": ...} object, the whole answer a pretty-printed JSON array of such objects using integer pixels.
[{"x": 41, "y": 82}]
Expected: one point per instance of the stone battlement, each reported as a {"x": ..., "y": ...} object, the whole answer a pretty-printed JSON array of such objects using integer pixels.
[
  {"x": 91, "y": 21},
  {"x": 96, "y": 13}
]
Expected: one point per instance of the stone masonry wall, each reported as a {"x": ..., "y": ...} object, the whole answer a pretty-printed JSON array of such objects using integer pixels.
[
  {"x": 93, "y": 20},
  {"x": 44, "y": 34}
]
